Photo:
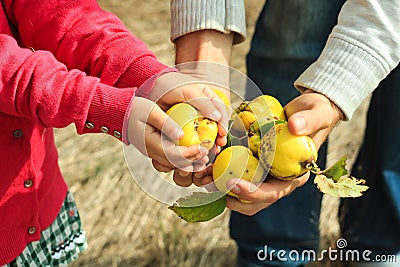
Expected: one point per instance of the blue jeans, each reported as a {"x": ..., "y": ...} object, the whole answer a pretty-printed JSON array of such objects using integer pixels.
[{"x": 289, "y": 36}]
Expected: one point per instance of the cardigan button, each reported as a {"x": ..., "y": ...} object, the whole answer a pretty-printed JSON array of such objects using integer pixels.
[
  {"x": 28, "y": 183},
  {"x": 89, "y": 125},
  {"x": 104, "y": 129},
  {"x": 117, "y": 134},
  {"x": 31, "y": 230},
  {"x": 17, "y": 133}
]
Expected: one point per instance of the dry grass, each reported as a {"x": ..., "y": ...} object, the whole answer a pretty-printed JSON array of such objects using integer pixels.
[{"x": 126, "y": 227}]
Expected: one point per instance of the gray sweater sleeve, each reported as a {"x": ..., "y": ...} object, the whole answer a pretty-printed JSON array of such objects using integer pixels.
[
  {"x": 362, "y": 49},
  {"x": 222, "y": 15}
]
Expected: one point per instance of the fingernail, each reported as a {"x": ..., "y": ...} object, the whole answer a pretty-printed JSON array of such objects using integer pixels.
[
  {"x": 210, "y": 187},
  {"x": 203, "y": 161},
  {"x": 300, "y": 124},
  {"x": 203, "y": 150},
  {"x": 252, "y": 187},
  {"x": 199, "y": 175},
  {"x": 216, "y": 115},
  {"x": 183, "y": 173},
  {"x": 232, "y": 186}
]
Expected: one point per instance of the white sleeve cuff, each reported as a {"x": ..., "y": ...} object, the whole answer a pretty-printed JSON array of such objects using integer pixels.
[{"x": 344, "y": 73}]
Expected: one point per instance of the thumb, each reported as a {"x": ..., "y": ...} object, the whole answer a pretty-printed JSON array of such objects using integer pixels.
[
  {"x": 161, "y": 121},
  {"x": 308, "y": 122}
]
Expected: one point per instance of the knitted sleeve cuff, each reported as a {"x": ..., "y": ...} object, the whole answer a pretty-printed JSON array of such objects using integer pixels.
[
  {"x": 108, "y": 110},
  {"x": 344, "y": 73},
  {"x": 193, "y": 15}
]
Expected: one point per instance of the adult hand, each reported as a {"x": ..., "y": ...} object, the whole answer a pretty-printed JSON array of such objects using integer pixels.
[
  {"x": 309, "y": 114},
  {"x": 205, "y": 55},
  {"x": 147, "y": 122},
  {"x": 197, "y": 54}
]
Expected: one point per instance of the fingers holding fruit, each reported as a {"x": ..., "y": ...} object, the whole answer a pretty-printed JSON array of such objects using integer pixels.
[
  {"x": 208, "y": 102},
  {"x": 236, "y": 162},
  {"x": 197, "y": 130},
  {"x": 262, "y": 195},
  {"x": 281, "y": 153},
  {"x": 148, "y": 125},
  {"x": 173, "y": 88},
  {"x": 215, "y": 106},
  {"x": 312, "y": 114},
  {"x": 199, "y": 119},
  {"x": 265, "y": 145},
  {"x": 291, "y": 153},
  {"x": 170, "y": 156},
  {"x": 241, "y": 158}
]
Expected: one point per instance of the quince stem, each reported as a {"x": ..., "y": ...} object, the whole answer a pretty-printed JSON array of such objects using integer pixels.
[
  {"x": 335, "y": 172},
  {"x": 313, "y": 167}
]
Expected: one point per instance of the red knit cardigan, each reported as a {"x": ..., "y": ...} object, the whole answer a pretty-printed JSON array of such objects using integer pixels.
[{"x": 58, "y": 62}]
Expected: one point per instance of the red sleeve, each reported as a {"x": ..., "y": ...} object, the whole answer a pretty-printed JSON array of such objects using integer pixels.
[
  {"x": 35, "y": 85},
  {"x": 83, "y": 36}
]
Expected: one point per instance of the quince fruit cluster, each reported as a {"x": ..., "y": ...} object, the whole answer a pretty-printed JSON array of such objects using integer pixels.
[
  {"x": 259, "y": 143},
  {"x": 259, "y": 136}
]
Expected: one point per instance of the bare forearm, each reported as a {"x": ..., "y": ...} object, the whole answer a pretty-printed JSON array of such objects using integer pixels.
[{"x": 204, "y": 45}]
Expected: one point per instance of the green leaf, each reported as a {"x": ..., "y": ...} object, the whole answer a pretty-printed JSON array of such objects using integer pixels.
[
  {"x": 228, "y": 140},
  {"x": 267, "y": 126},
  {"x": 200, "y": 206},
  {"x": 344, "y": 187},
  {"x": 337, "y": 170},
  {"x": 234, "y": 141},
  {"x": 231, "y": 139},
  {"x": 229, "y": 135}
]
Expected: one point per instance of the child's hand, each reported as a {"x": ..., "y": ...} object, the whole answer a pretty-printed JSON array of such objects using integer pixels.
[
  {"x": 146, "y": 123},
  {"x": 312, "y": 114}
]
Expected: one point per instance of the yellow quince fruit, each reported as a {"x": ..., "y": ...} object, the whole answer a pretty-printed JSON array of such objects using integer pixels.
[
  {"x": 285, "y": 155},
  {"x": 273, "y": 104},
  {"x": 196, "y": 128},
  {"x": 236, "y": 162}
]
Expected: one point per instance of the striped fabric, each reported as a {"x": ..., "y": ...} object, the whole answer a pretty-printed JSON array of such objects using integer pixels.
[{"x": 194, "y": 15}]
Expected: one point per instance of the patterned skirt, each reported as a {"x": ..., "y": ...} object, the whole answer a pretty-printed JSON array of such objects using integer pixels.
[{"x": 60, "y": 243}]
